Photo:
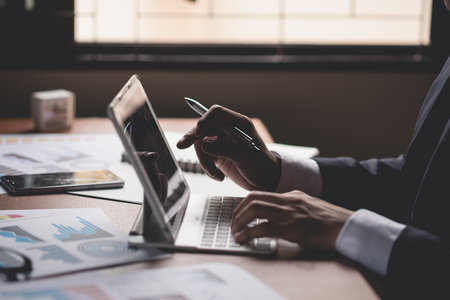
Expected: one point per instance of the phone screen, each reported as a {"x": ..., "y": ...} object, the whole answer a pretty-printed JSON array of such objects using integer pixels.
[{"x": 59, "y": 182}]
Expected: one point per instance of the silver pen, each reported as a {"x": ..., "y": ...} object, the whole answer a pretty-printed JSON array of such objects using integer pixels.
[{"x": 235, "y": 132}]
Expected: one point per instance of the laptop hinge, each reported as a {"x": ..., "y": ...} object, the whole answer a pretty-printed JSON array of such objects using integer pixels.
[{"x": 147, "y": 226}]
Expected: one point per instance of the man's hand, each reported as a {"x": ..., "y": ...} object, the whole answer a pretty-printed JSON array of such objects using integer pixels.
[
  {"x": 220, "y": 155},
  {"x": 293, "y": 216}
]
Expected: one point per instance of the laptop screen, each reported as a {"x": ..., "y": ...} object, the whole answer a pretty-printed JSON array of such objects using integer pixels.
[{"x": 141, "y": 128}]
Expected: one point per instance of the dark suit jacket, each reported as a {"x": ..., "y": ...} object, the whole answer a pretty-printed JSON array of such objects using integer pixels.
[{"x": 413, "y": 189}]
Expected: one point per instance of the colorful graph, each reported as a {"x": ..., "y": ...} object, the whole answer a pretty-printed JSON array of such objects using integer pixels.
[
  {"x": 56, "y": 253},
  {"x": 20, "y": 235},
  {"x": 51, "y": 294},
  {"x": 88, "y": 231},
  {"x": 105, "y": 248},
  {"x": 9, "y": 217},
  {"x": 86, "y": 292}
]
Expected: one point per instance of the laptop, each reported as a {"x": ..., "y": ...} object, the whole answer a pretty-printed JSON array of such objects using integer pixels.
[{"x": 171, "y": 217}]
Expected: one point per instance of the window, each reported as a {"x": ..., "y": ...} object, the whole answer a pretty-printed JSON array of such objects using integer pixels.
[
  {"x": 259, "y": 22},
  {"x": 275, "y": 34}
]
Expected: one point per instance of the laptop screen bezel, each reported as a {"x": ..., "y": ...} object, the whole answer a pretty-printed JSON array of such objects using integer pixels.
[{"x": 121, "y": 106}]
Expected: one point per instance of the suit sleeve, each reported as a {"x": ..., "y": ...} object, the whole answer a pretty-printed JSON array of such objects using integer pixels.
[
  {"x": 419, "y": 267},
  {"x": 372, "y": 184}
]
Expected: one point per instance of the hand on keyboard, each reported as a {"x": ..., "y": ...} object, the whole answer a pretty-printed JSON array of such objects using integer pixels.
[
  {"x": 293, "y": 216},
  {"x": 217, "y": 230}
]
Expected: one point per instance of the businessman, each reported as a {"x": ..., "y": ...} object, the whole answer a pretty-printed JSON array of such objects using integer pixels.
[{"x": 390, "y": 215}]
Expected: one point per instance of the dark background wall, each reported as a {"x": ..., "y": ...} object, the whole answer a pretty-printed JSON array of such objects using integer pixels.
[{"x": 354, "y": 113}]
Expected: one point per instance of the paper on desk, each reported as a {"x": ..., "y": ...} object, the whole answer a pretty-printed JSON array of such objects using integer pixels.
[
  {"x": 51, "y": 153},
  {"x": 215, "y": 281},
  {"x": 29, "y": 213},
  {"x": 67, "y": 152},
  {"x": 132, "y": 190},
  {"x": 62, "y": 241},
  {"x": 48, "y": 153}
]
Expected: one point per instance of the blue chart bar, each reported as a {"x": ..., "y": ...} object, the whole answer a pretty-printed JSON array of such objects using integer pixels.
[
  {"x": 57, "y": 253},
  {"x": 20, "y": 235},
  {"x": 88, "y": 231},
  {"x": 85, "y": 292},
  {"x": 54, "y": 294}
]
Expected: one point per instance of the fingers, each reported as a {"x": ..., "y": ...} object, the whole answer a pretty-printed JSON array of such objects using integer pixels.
[
  {"x": 260, "y": 230},
  {"x": 221, "y": 115},
  {"x": 210, "y": 125},
  {"x": 261, "y": 196},
  {"x": 293, "y": 216},
  {"x": 187, "y": 140},
  {"x": 263, "y": 205},
  {"x": 191, "y": 137},
  {"x": 211, "y": 150},
  {"x": 220, "y": 153},
  {"x": 260, "y": 210},
  {"x": 225, "y": 149},
  {"x": 208, "y": 163}
]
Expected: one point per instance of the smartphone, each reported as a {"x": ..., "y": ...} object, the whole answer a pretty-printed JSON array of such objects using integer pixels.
[{"x": 32, "y": 184}]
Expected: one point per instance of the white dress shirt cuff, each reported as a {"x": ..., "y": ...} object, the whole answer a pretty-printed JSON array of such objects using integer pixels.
[
  {"x": 368, "y": 238},
  {"x": 299, "y": 173}
]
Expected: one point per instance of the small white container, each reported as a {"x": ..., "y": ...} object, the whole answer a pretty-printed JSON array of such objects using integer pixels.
[{"x": 52, "y": 110}]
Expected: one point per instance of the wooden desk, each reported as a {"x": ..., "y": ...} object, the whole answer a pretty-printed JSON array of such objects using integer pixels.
[{"x": 296, "y": 274}]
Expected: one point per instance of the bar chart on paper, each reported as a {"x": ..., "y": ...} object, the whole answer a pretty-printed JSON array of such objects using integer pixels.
[
  {"x": 88, "y": 231},
  {"x": 57, "y": 254},
  {"x": 65, "y": 240}
]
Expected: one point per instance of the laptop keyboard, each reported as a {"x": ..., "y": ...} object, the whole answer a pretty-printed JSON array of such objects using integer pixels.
[{"x": 217, "y": 230}]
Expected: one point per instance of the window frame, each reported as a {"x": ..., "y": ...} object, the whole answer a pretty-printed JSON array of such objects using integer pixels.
[{"x": 72, "y": 55}]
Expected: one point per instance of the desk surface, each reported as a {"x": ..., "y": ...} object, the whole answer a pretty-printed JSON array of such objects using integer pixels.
[{"x": 296, "y": 274}]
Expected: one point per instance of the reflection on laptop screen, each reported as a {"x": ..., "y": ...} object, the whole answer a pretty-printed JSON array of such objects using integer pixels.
[{"x": 141, "y": 128}]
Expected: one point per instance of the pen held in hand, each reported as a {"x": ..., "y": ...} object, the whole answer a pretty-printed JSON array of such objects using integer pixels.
[{"x": 235, "y": 132}]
